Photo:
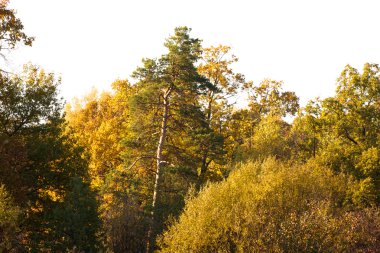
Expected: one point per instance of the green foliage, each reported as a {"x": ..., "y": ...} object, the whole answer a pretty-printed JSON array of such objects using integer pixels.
[
  {"x": 166, "y": 127},
  {"x": 74, "y": 222},
  {"x": 39, "y": 160},
  {"x": 342, "y": 132},
  {"x": 28, "y": 103},
  {"x": 27, "y": 99},
  {"x": 280, "y": 209},
  {"x": 306, "y": 132}
]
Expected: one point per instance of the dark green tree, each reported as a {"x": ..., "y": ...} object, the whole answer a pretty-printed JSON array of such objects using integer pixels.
[
  {"x": 40, "y": 159},
  {"x": 75, "y": 220}
]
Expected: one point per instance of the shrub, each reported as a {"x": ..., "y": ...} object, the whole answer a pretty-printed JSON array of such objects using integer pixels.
[{"x": 271, "y": 207}]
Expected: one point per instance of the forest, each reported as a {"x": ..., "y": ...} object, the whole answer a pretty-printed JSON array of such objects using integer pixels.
[{"x": 168, "y": 162}]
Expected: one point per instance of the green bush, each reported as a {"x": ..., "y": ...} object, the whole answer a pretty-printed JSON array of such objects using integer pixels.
[{"x": 271, "y": 207}]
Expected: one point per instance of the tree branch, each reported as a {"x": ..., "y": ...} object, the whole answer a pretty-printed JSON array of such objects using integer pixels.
[{"x": 138, "y": 159}]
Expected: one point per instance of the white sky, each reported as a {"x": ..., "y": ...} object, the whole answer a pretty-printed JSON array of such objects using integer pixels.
[{"x": 304, "y": 43}]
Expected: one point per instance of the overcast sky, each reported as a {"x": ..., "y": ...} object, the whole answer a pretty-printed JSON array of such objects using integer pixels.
[{"x": 304, "y": 43}]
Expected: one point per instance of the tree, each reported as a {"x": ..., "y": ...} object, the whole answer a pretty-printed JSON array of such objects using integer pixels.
[
  {"x": 167, "y": 95},
  {"x": 349, "y": 126},
  {"x": 268, "y": 97},
  {"x": 269, "y": 103},
  {"x": 216, "y": 66},
  {"x": 306, "y": 132},
  {"x": 75, "y": 220},
  {"x": 27, "y": 100},
  {"x": 270, "y": 138},
  {"x": 40, "y": 158},
  {"x": 100, "y": 123},
  {"x": 11, "y": 29}
]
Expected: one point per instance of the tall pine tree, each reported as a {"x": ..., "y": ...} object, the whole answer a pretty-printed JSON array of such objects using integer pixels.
[{"x": 166, "y": 122}]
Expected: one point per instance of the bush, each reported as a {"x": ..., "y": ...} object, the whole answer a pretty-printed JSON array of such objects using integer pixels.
[{"x": 271, "y": 207}]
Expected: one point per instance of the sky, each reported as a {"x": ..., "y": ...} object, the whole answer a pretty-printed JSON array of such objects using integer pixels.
[{"x": 304, "y": 43}]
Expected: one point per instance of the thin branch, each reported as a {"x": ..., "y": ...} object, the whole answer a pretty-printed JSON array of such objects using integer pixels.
[
  {"x": 138, "y": 159},
  {"x": 349, "y": 137}
]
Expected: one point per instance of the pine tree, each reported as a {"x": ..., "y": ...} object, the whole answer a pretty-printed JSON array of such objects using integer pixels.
[{"x": 166, "y": 118}]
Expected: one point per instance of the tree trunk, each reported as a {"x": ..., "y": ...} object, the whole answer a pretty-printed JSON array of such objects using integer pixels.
[
  {"x": 160, "y": 147},
  {"x": 204, "y": 165}
]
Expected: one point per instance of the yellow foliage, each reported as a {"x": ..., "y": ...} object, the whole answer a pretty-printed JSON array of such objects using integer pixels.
[{"x": 271, "y": 207}]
